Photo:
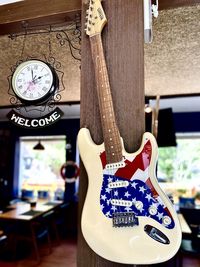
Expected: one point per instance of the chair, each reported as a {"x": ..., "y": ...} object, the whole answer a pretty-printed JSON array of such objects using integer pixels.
[
  {"x": 33, "y": 232},
  {"x": 187, "y": 202},
  {"x": 3, "y": 240},
  {"x": 27, "y": 194},
  {"x": 190, "y": 245},
  {"x": 61, "y": 219},
  {"x": 43, "y": 194}
]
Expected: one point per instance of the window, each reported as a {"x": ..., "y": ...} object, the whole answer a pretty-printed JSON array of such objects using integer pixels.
[
  {"x": 39, "y": 170},
  {"x": 179, "y": 167}
]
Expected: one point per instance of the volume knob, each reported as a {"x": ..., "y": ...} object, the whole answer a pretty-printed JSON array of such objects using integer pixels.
[
  {"x": 153, "y": 210},
  {"x": 166, "y": 220},
  {"x": 138, "y": 205}
]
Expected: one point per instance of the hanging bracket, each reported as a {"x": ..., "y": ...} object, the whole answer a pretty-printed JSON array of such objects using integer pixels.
[{"x": 149, "y": 11}]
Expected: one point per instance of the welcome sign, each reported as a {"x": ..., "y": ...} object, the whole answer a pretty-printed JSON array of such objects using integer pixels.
[{"x": 34, "y": 123}]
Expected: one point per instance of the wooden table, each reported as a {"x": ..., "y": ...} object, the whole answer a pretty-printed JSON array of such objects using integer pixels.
[
  {"x": 17, "y": 210},
  {"x": 26, "y": 216},
  {"x": 184, "y": 225}
]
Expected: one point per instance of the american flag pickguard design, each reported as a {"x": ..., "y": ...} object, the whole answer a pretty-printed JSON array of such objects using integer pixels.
[{"x": 138, "y": 190}]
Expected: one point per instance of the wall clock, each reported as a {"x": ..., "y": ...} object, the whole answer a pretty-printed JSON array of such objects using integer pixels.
[{"x": 34, "y": 81}]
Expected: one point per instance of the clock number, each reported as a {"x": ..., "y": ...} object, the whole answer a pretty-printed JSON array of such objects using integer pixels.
[{"x": 44, "y": 89}]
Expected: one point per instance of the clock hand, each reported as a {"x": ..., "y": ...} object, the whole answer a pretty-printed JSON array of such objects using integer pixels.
[
  {"x": 36, "y": 79},
  {"x": 33, "y": 77},
  {"x": 32, "y": 74}
]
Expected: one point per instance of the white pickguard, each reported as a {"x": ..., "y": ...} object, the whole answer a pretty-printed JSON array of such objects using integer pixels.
[{"x": 129, "y": 245}]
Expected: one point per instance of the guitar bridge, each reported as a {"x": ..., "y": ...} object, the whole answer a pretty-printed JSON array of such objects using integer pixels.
[{"x": 124, "y": 219}]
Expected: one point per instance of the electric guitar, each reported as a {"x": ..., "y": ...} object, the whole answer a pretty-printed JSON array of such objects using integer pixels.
[{"x": 126, "y": 217}]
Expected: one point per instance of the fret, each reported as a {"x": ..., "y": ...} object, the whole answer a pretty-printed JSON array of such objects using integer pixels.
[{"x": 111, "y": 135}]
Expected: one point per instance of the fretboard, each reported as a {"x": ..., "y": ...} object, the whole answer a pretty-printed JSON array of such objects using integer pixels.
[{"x": 111, "y": 134}]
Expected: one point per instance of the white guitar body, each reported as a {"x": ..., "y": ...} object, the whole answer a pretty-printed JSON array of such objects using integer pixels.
[{"x": 131, "y": 244}]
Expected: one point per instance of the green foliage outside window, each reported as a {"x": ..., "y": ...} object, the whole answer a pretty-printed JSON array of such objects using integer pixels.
[{"x": 181, "y": 163}]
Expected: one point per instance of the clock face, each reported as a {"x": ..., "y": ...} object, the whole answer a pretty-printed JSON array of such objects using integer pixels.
[{"x": 33, "y": 81}]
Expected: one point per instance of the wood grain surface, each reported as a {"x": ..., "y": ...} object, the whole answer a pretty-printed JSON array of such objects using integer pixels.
[
  {"x": 36, "y": 12},
  {"x": 123, "y": 47}
]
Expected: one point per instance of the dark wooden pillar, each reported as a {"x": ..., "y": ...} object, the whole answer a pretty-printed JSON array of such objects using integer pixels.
[{"x": 123, "y": 47}]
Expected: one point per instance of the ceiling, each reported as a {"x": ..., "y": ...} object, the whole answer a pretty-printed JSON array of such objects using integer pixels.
[{"x": 172, "y": 60}]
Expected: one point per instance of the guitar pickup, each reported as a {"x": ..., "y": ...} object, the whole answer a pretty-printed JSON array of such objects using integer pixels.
[
  {"x": 115, "y": 165},
  {"x": 122, "y": 203},
  {"x": 118, "y": 184},
  {"x": 124, "y": 219}
]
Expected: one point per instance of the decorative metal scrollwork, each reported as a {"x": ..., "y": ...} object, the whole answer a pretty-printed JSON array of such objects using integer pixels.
[{"x": 69, "y": 36}]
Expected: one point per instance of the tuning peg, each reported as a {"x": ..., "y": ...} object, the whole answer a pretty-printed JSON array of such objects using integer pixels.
[{"x": 87, "y": 11}]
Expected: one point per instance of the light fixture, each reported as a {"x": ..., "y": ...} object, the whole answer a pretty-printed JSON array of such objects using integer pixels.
[{"x": 38, "y": 146}]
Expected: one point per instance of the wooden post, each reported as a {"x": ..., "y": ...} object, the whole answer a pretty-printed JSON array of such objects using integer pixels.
[{"x": 123, "y": 47}]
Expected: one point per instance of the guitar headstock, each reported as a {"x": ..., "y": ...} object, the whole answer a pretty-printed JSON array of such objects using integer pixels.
[{"x": 95, "y": 17}]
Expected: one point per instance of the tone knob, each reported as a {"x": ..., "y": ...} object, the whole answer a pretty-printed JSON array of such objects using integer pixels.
[
  {"x": 138, "y": 205},
  {"x": 153, "y": 210},
  {"x": 166, "y": 220}
]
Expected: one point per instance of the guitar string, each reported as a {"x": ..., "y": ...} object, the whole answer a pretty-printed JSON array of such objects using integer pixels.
[
  {"x": 101, "y": 96},
  {"x": 101, "y": 93},
  {"x": 106, "y": 83}
]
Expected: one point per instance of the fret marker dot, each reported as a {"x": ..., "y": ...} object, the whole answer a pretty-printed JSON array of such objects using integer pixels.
[{"x": 110, "y": 139}]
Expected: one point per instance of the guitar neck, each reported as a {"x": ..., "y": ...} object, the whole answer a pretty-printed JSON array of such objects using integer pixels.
[{"x": 111, "y": 134}]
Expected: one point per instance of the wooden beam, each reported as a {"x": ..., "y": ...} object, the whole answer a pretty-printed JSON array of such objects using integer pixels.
[
  {"x": 35, "y": 12},
  {"x": 14, "y": 16},
  {"x": 123, "y": 47},
  {"x": 168, "y": 4}
]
